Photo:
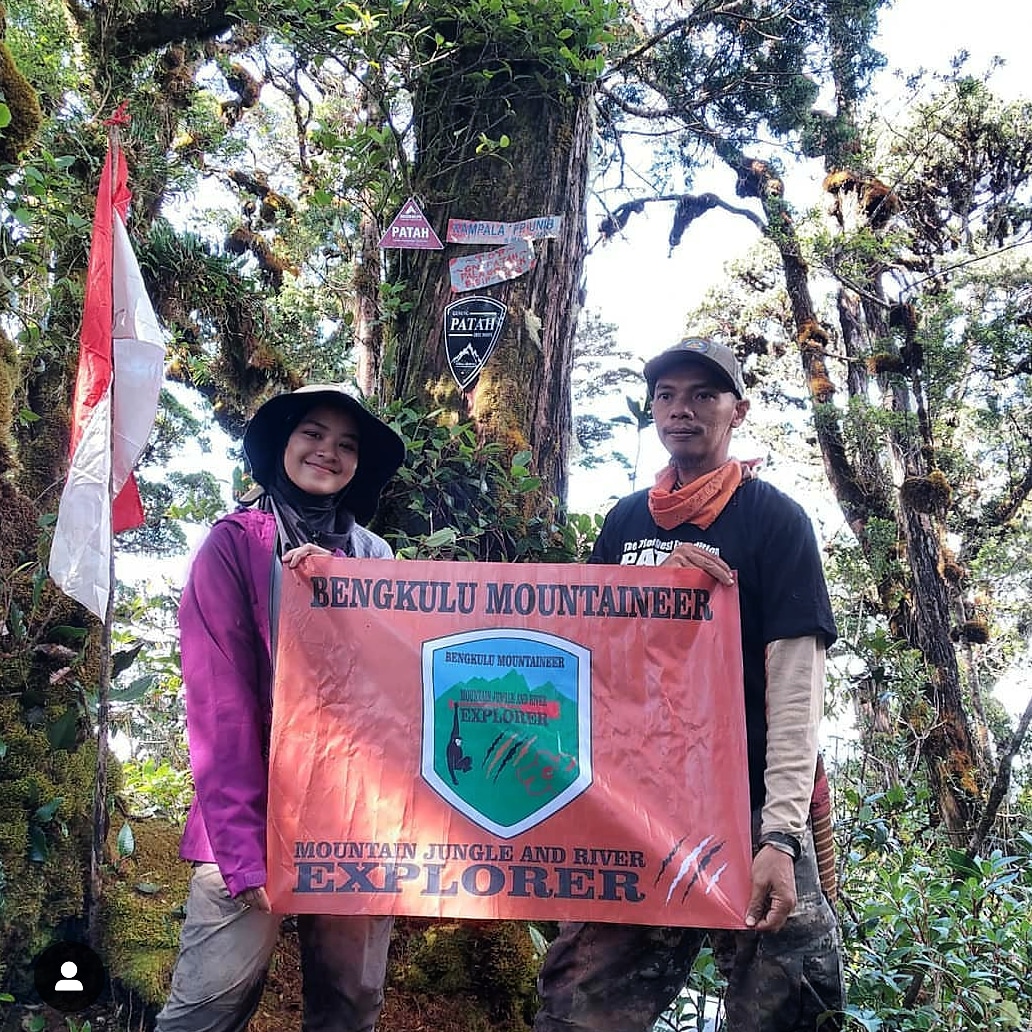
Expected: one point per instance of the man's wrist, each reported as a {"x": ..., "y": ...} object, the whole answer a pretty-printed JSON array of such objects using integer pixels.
[{"x": 784, "y": 842}]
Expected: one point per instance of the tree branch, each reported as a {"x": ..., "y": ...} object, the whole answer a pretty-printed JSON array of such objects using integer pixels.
[
  {"x": 1002, "y": 783},
  {"x": 689, "y": 208},
  {"x": 152, "y": 30}
]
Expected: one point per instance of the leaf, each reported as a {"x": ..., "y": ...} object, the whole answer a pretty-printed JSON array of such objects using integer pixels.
[
  {"x": 147, "y": 888},
  {"x": 39, "y": 580},
  {"x": 5, "y": 115},
  {"x": 126, "y": 841},
  {"x": 136, "y": 690},
  {"x": 38, "y": 848},
  {"x": 961, "y": 864},
  {"x": 3, "y": 748},
  {"x": 16, "y": 621},
  {"x": 1010, "y": 1013},
  {"x": 124, "y": 659},
  {"x": 445, "y": 536},
  {"x": 538, "y": 939},
  {"x": 46, "y": 812},
  {"x": 62, "y": 734},
  {"x": 67, "y": 633}
]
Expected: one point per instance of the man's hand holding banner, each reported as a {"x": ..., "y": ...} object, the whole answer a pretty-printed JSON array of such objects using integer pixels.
[{"x": 509, "y": 741}]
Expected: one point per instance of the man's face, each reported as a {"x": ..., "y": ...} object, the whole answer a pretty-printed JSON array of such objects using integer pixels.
[{"x": 695, "y": 414}]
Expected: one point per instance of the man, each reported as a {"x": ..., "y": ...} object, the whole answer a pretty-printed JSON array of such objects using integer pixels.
[{"x": 710, "y": 511}]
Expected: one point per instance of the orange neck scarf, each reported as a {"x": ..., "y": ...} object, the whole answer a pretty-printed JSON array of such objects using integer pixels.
[{"x": 701, "y": 501}]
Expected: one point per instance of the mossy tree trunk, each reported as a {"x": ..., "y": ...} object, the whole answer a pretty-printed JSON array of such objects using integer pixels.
[
  {"x": 522, "y": 399},
  {"x": 955, "y": 764}
]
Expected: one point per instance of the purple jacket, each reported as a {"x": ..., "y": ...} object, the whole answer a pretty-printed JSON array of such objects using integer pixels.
[{"x": 227, "y": 671}]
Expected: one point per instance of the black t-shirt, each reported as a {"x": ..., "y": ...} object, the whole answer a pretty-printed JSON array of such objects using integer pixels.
[{"x": 767, "y": 538}]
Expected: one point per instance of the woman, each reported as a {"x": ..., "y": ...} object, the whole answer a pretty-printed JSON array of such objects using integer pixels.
[{"x": 321, "y": 459}]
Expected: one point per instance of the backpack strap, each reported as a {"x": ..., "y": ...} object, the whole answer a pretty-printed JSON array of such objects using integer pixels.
[{"x": 275, "y": 584}]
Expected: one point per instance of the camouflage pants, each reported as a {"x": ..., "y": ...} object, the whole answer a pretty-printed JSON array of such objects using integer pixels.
[{"x": 621, "y": 978}]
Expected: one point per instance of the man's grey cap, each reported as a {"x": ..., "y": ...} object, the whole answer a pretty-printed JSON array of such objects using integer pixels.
[
  {"x": 380, "y": 450},
  {"x": 718, "y": 357}
]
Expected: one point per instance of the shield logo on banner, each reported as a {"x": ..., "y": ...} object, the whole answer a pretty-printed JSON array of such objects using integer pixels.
[
  {"x": 472, "y": 326},
  {"x": 506, "y": 725}
]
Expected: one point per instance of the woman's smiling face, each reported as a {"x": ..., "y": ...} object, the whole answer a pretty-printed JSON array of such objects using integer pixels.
[{"x": 321, "y": 455}]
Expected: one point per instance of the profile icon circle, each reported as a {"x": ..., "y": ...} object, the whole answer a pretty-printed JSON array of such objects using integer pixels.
[{"x": 68, "y": 976}]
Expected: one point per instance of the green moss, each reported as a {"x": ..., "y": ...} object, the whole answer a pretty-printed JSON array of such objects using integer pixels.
[
  {"x": 492, "y": 966},
  {"x": 8, "y": 382},
  {"x": 142, "y": 908},
  {"x": 444, "y": 393},
  {"x": 43, "y": 856},
  {"x": 21, "y": 99}
]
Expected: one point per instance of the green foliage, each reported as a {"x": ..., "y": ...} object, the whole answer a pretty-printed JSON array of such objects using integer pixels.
[
  {"x": 935, "y": 940},
  {"x": 455, "y": 498},
  {"x": 693, "y": 1009},
  {"x": 565, "y": 39},
  {"x": 156, "y": 788},
  {"x": 600, "y": 370},
  {"x": 146, "y": 705},
  {"x": 39, "y": 37},
  {"x": 727, "y": 77}
]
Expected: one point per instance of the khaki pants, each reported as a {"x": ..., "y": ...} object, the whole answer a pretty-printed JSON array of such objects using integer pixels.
[
  {"x": 621, "y": 978},
  {"x": 224, "y": 955}
]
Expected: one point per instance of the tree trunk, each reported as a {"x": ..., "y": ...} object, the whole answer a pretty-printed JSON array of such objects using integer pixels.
[
  {"x": 953, "y": 760},
  {"x": 522, "y": 398},
  {"x": 955, "y": 763}
]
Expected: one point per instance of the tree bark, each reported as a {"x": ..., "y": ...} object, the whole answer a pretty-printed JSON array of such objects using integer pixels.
[
  {"x": 953, "y": 759},
  {"x": 522, "y": 398}
]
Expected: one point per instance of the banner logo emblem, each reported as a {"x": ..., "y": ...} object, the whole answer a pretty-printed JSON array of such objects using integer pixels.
[{"x": 506, "y": 725}]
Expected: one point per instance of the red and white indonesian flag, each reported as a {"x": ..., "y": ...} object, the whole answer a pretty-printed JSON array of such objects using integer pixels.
[{"x": 121, "y": 359}]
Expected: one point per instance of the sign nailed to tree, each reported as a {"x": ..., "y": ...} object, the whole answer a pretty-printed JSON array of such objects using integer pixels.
[
  {"x": 411, "y": 229},
  {"x": 481, "y": 270},
  {"x": 472, "y": 326},
  {"x": 478, "y": 231}
]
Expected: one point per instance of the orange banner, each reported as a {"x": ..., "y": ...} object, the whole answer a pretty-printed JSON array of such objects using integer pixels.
[{"x": 488, "y": 740}]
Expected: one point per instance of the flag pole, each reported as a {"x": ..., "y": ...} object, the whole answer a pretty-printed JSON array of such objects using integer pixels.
[
  {"x": 101, "y": 820},
  {"x": 120, "y": 338}
]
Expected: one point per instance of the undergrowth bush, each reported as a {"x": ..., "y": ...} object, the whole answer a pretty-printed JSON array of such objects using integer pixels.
[
  {"x": 934, "y": 939},
  {"x": 458, "y": 497}
]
